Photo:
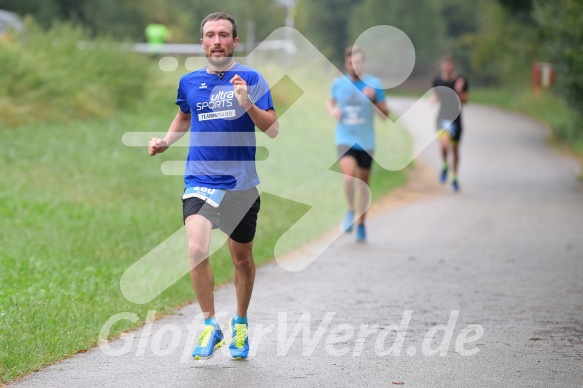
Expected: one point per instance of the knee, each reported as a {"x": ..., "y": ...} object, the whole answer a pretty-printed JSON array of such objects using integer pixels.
[
  {"x": 197, "y": 251},
  {"x": 243, "y": 262},
  {"x": 348, "y": 175},
  {"x": 364, "y": 189}
]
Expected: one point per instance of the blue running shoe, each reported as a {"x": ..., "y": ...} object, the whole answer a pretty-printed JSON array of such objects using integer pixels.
[
  {"x": 455, "y": 186},
  {"x": 360, "y": 233},
  {"x": 210, "y": 340},
  {"x": 346, "y": 226},
  {"x": 239, "y": 347},
  {"x": 443, "y": 177}
]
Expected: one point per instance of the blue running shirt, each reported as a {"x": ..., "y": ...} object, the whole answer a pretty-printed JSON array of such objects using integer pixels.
[
  {"x": 355, "y": 128},
  {"x": 222, "y": 135}
]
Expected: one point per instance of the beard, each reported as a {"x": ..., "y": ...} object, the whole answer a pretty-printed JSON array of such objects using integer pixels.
[{"x": 220, "y": 61}]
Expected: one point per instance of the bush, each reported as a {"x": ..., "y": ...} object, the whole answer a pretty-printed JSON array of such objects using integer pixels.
[
  {"x": 47, "y": 77},
  {"x": 560, "y": 24}
]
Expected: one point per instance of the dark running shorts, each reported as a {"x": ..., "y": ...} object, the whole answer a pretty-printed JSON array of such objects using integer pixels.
[
  {"x": 363, "y": 158},
  {"x": 451, "y": 129},
  {"x": 236, "y": 214}
]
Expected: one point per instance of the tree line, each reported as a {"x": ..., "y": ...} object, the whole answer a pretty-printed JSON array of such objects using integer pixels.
[{"x": 495, "y": 42}]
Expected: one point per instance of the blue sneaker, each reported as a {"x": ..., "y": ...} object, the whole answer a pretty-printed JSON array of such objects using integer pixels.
[
  {"x": 346, "y": 226},
  {"x": 443, "y": 177},
  {"x": 360, "y": 233},
  {"x": 210, "y": 340},
  {"x": 455, "y": 186},
  {"x": 239, "y": 347}
]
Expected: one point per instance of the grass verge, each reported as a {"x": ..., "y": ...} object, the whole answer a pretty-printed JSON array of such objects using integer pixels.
[
  {"x": 46, "y": 77},
  {"x": 546, "y": 107}
]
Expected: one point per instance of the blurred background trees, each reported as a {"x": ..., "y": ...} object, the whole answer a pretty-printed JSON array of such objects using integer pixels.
[{"x": 495, "y": 42}]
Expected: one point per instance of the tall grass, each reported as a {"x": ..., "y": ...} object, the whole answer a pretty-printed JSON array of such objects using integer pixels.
[{"x": 46, "y": 77}]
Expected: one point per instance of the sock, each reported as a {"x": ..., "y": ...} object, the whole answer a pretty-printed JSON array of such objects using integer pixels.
[
  {"x": 212, "y": 321},
  {"x": 453, "y": 177},
  {"x": 445, "y": 166},
  {"x": 239, "y": 319}
]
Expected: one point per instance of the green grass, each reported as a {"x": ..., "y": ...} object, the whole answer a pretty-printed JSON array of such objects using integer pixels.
[
  {"x": 45, "y": 77},
  {"x": 546, "y": 107},
  {"x": 77, "y": 208}
]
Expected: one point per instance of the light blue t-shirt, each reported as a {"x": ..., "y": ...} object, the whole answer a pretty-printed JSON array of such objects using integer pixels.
[
  {"x": 355, "y": 128},
  {"x": 222, "y": 135}
]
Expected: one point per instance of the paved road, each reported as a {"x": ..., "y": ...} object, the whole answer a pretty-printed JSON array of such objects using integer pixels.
[{"x": 501, "y": 262}]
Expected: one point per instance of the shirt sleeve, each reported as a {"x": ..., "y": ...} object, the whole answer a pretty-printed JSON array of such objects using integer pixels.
[
  {"x": 379, "y": 91},
  {"x": 261, "y": 93},
  {"x": 181, "y": 98}
]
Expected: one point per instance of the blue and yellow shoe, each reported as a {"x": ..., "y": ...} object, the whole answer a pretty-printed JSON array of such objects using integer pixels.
[
  {"x": 210, "y": 340},
  {"x": 239, "y": 347},
  {"x": 346, "y": 226},
  {"x": 455, "y": 186},
  {"x": 443, "y": 177},
  {"x": 360, "y": 233}
]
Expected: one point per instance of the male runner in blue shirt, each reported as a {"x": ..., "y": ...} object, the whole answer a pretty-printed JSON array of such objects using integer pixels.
[
  {"x": 352, "y": 103},
  {"x": 221, "y": 104}
]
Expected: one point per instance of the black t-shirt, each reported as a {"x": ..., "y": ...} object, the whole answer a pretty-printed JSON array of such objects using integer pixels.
[{"x": 449, "y": 106}]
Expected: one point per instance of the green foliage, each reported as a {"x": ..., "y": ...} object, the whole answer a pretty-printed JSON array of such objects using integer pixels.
[
  {"x": 510, "y": 36},
  {"x": 407, "y": 16},
  {"x": 503, "y": 48},
  {"x": 562, "y": 31},
  {"x": 332, "y": 25},
  {"x": 462, "y": 22},
  {"x": 519, "y": 9},
  {"x": 326, "y": 24},
  {"x": 49, "y": 78},
  {"x": 127, "y": 19}
]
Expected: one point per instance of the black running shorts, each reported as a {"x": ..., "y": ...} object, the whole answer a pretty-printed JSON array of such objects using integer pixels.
[
  {"x": 236, "y": 214},
  {"x": 363, "y": 158}
]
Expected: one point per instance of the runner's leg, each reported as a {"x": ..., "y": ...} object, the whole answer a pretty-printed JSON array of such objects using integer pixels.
[
  {"x": 243, "y": 273},
  {"x": 444, "y": 145},
  {"x": 363, "y": 194},
  {"x": 349, "y": 169},
  {"x": 198, "y": 230},
  {"x": 456, "y": 158},
  {"x": 444, "y": 142}
]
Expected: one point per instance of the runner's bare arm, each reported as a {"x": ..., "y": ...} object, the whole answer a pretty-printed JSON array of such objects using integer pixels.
[
  {"x": 265, "y": 120},
  {"x": 333, "y": 109},
  {"x": 459, "y": 88},
  {"x": 178, "y": 128},
  {"x": 382, "y": 108}
]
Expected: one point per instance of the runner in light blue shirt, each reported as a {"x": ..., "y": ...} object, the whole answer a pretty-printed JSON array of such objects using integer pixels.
[{"x": 353, "y": 101}]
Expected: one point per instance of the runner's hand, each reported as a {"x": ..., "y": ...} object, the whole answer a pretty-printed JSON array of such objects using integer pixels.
[
  {"x": 370, "y": 93},
  {"x": 336, "y": 113},
  {"x": 157, "y": 146},
  {"x": 241, "y": 92},
  {"x": 459, "y": 85}
]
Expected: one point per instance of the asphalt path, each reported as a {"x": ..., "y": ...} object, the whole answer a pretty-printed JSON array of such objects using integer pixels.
[{"x": 481, "y": 288}]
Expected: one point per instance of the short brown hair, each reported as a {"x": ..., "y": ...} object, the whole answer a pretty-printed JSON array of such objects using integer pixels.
[
  {"x": 448, "y": 58},
  {"x": 352, "y": 50},
  {"x": 220, "y": 16}
]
